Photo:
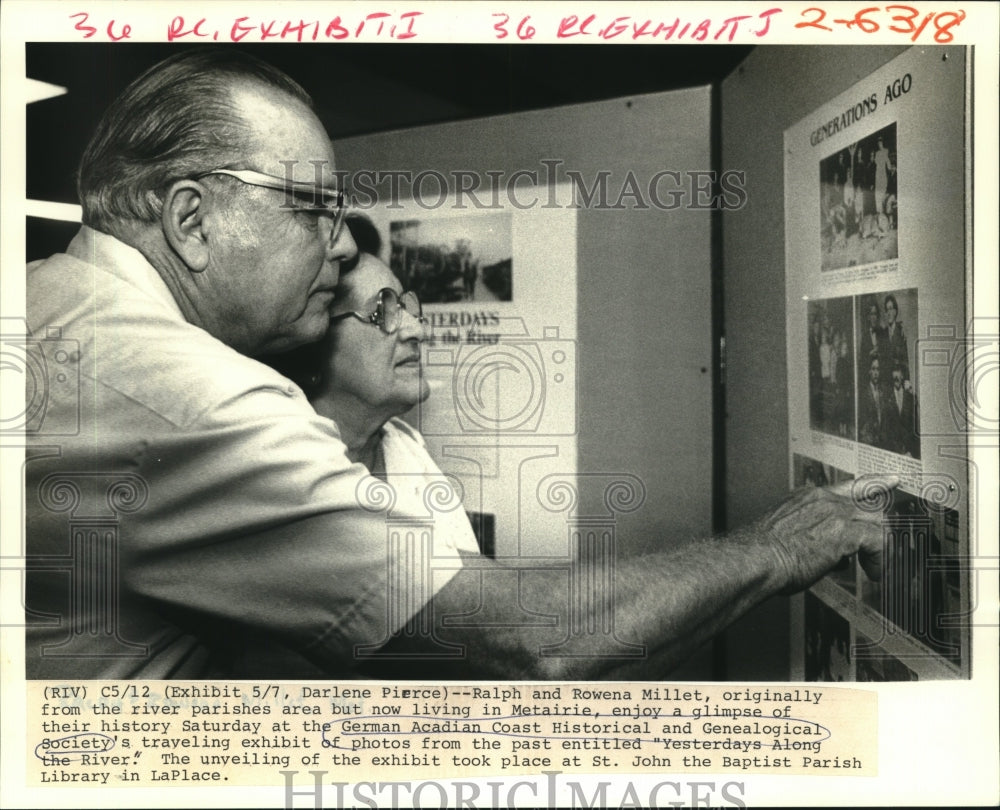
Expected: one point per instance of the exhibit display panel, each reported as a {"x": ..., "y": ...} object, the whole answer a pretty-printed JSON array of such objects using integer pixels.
[{"x": 876, "y": 207}]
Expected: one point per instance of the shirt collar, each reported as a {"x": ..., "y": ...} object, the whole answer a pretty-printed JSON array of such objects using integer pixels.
[{"x": 124, "y": 261}]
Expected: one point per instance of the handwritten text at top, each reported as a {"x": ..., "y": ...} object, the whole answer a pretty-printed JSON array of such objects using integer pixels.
[{"x": 908, "y": 22}]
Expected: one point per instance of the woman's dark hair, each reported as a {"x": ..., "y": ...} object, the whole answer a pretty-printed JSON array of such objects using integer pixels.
[{"x": 366, "y": 235}]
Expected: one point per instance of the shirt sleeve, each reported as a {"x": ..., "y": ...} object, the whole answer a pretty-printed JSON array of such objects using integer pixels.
[{"x": 255, "y": 517}]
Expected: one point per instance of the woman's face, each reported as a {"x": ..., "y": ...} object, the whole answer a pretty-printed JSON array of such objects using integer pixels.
[
  {"x": 890, "y": 312},
  {"x": 379, "y": 372}
]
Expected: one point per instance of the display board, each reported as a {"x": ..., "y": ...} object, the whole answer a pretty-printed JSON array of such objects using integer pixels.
[
  {"x": 498, "y": 285},
  {"x": 876, "y": 206}
]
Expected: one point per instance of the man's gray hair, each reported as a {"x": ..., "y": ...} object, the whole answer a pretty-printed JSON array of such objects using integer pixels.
[{"x": 176, "y": 120}]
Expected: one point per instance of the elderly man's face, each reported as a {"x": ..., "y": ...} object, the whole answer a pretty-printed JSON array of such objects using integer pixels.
[{"x": 275, "y": 268}]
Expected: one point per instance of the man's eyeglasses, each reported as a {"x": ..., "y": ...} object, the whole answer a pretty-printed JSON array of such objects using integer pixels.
[
  {"x": 389, "y": 309},
  {"x": 299, "y": 196}
]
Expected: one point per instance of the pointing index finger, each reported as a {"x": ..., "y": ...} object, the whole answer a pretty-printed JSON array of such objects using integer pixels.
[
  {"x": 871, "y": 493},
  {"x": 875, "y": 481}
]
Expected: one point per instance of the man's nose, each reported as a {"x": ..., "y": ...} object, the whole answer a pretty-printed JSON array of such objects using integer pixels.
[
  {"x": 329, "y": 273},
  {"x": 343, "y": 247}
]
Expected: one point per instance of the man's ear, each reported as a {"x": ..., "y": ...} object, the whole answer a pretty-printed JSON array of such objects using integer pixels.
[{"x": 182, "y": 219}]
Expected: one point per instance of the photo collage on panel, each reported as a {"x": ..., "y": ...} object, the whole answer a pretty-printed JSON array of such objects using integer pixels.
[{"x": 874, "y": 274}]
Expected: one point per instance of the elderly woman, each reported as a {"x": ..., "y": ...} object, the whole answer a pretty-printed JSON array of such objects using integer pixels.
[{"x": 366, "y": 373}]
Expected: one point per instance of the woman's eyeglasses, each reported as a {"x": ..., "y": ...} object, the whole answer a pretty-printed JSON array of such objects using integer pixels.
[{"x": 389, "y": 309}]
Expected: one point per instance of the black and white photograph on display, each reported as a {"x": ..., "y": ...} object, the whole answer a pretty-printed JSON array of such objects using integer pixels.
[
  {"x": 827, "y": 642},
  {"x": 831, "y": 369},
  {"x": 888, "y": 407},
  {"x": 448, "y": 260},
  {"x": 859, "y": 201},
  {"x": 812, "y": 473},
  {"x": 875, "y": 665},
  {"x": 919, "y": 593}
]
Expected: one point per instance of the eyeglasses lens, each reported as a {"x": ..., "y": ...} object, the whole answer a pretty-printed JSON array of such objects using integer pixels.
[
  {"x": 411, "y": 304},
  {"x": 337, "y": 223},
  {"x": 389, "y": 313},
  {"x": 329, "y": 205}
]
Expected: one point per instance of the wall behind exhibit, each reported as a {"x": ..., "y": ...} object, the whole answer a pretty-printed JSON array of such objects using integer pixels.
[
  {"x": 771, "y": 90},
  {"x": 643, "y": 286}
]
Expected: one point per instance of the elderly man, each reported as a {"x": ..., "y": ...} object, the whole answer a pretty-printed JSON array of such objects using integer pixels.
[{"x": 189, "y": 515}]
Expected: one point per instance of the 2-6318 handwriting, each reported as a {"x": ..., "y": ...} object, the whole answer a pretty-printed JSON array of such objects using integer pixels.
[{"x": 905, "y": 20}]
